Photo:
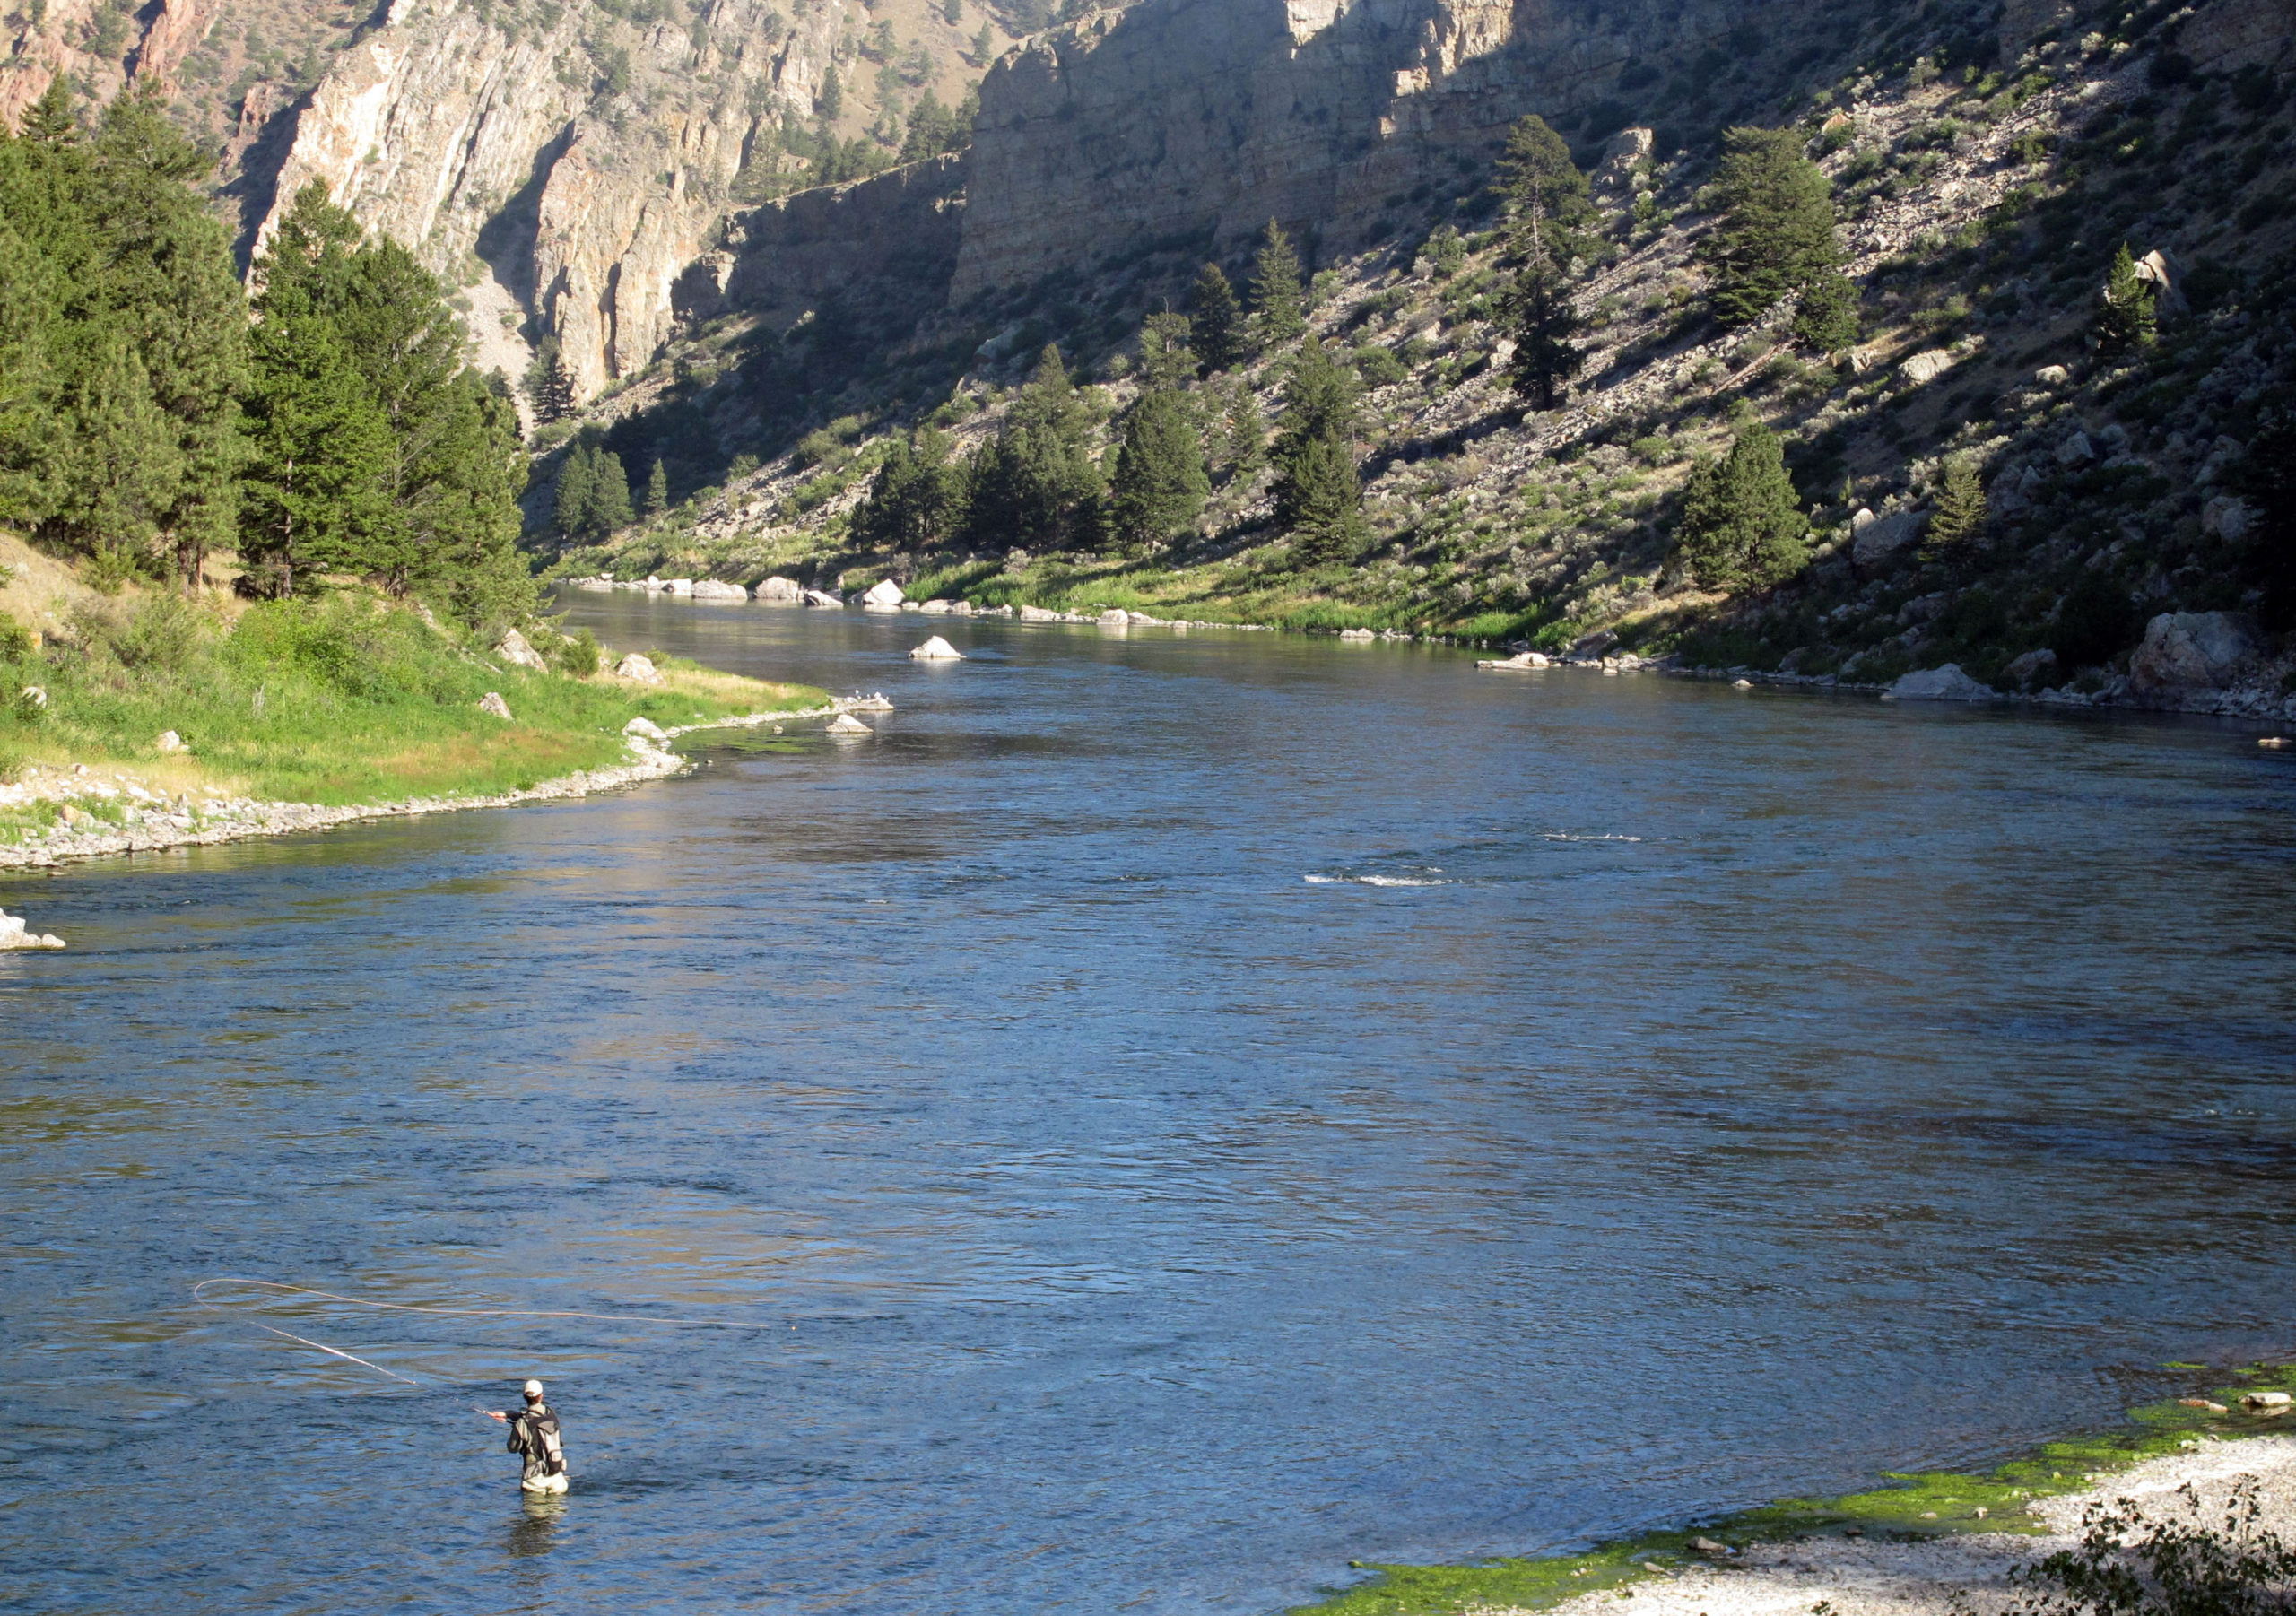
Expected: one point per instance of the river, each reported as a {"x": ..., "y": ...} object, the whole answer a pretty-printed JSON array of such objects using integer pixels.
[{"x": 1165, "y": 1116}]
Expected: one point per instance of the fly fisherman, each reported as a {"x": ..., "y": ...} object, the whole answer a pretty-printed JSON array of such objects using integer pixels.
[{"x": 533, "y": 1436}]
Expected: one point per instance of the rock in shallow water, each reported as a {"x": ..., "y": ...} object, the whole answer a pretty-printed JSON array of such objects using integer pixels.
[
  {"x": 1947, "y": 683},
  {"x": 936, "y": 649},
  {"x": 14, "y": 935}
]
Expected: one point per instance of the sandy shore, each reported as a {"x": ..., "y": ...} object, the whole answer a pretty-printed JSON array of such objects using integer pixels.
[
  {"x": 1870, "y": 1576},
  {"x": 162, "y": 823}
]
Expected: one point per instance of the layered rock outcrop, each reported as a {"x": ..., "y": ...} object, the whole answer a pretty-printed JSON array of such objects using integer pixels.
[
  {"x": 65, "y": 41},
  {"x": 1188, "y": 119}
]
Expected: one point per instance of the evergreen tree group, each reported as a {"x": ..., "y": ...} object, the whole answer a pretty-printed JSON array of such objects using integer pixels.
[
  {"x": 592, "y": 499},
  {"x": 918, "y": 499},
  {"x": 1036, "y": 481},
  {"x": 1776, "y": 240},
  {"x": 1742, "y": 527},
  {"x": 1159, "y": 485},
  {"x": 144, "y": 420}
]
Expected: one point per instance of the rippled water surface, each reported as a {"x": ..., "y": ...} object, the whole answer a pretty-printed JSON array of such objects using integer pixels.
[{"x": 1168, "y": 1115}]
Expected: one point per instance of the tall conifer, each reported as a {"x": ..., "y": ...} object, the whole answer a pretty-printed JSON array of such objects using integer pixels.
[
  {"x": 1776, "y": 234},
  {"x": 1279, "y": 306},
  {"x": 1215, "y": 320}
]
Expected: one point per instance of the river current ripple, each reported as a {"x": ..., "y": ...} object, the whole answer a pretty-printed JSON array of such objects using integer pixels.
[{"x": 1186, "y": 1113}]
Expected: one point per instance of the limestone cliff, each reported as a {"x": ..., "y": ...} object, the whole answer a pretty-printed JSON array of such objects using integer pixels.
[{"x": 1182, "y": 118}]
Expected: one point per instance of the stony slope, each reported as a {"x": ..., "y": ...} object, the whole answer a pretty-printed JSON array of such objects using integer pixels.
[{"x": 1981, "y": 209}]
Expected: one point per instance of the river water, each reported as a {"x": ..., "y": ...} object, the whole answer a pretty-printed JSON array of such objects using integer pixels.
[{"x": 1165, "y": 1116}]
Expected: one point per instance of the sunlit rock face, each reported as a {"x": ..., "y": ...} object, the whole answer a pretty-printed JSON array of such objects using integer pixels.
[{"x": 1187, "y": 118}]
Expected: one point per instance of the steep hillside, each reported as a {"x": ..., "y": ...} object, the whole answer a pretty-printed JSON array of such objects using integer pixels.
[{"x": 1985, "y": 182}]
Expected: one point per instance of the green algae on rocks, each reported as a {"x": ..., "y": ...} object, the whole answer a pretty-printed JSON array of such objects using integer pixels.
[{"x": 1910, "y": 1507}]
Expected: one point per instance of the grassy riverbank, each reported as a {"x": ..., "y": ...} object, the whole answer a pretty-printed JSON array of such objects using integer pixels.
[
  {"x": 1912, "y": 1507},
  {"x": 349, "y": 701}
]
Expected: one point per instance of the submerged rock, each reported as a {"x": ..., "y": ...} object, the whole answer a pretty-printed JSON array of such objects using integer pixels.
[
  {"x": 846, "y": 724},
  {"x": 936, "y": 649}
]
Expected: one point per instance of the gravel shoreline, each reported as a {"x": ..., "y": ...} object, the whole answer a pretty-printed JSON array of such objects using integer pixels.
[
  {"x": 1874, "y": 1576},
  {"x": 164, "y": 825}
]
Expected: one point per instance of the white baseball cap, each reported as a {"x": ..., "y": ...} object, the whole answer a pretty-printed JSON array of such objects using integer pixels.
[{"x": 533, "y": 1389}]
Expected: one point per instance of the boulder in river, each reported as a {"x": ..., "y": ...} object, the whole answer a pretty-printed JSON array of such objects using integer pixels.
[
  {"x": 936, "y": 649},
  {"x": 2191, "y": 651},
  {"x": 1039, "y": 615},
  {"x": 1947, "y": 683},
  {"x": 823, "y": 598},
  {"x": 1521, "y": 660},
  {"x": 639, "y": 667},
  {"x": 710, "y": 588},
  {"x": 493, "y": 702},
  {"x": 846, "y": 724},
  {"x": 15, "y": 934},
  {"x": 884, "y": 596},
  {"x": 1114, "y": 618},
  {"x": 781, "y": 592}
]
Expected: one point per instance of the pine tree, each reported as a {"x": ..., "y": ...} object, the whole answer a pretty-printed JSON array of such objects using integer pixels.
[
  {"x": 1825, "y": 320},
  {"x": 1538, "y": 314},
  {"x": 1776, "y": 236},
  {"x": 1278, "y": 307},
  {"x": 1215, "y": 320},
  {"x": 1159, "y": 485},
  {"x": 550, "y": 389},
  {"x": 1167, "y": 361},
  {"x": 1742, "y": 527},
  {"x": 1960, "y": 509},
  {"x": 1319, "y": 497},
  {"x": 1247, "y": 437},
  {"x": 2124, "y": 319},
  {"x": 610, "y": 507},
  {"x": 829, "y": 102},
  {"x": 1549, "y": 205},
  {"x": 984, "y": 45},
  {"x": 658, "y": 489},
  {"x": 577, "y": 487}
]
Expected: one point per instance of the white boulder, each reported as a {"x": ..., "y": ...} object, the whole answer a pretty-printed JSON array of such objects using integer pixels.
[
  {"x": 1924, "y": 367},
  {"x": 1114, "y": 618},
  {"x": 935, "y": 608},
  {"x": 884, "y": 596},
  {"x": 1357, "y": 634},
  {"x": 1947, "y": 683},
  {"x": 710, "y": 588},
  {"x": 679, "y": 586},
  {"x": 639, "y": 667},
  {"x": 519, "y": 653},
  {"x": 645, "y": 729},
  {"x": 823, "y": 598},
  {"x": 169, "y": 741},
  {"x": 1884, "y": 536},
  {"x": 1521, "y": 660},
  {"x": 846, "y": 724},
  {"x": 2052, "y": 376},
  {"x": 781, "y": 592},
  {"x": 1039, "y": 615},
  {"x": 493, "y": 702},
  {"x": 2191, "y": 651},
  {"x": 2226, "y": 517},
  {"x": 13, "y": 935},
  {"x": 936, "y": 649}
]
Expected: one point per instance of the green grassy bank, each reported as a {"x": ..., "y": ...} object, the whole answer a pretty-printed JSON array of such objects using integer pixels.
[
  {"x": 344, "y": 701},
  {"x": 1911, "y": 1506}
]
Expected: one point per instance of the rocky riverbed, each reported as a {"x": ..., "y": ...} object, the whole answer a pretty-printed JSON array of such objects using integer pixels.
[{"x": 106, "y": 812}]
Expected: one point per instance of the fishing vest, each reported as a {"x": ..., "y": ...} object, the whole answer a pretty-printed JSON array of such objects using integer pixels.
[{"x": 534, "y": 1435}]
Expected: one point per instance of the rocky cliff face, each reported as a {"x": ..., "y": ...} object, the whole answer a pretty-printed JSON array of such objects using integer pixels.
[
  {"x": 551, "y": 167},
  {"x": 1207, "y": 117},
  {"x": 150, "y": 45}
]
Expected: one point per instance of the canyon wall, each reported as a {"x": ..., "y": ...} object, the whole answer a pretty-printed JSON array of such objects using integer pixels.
[{"x": 1188, "y": 117}]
